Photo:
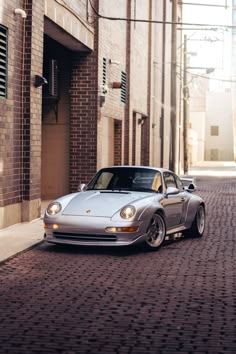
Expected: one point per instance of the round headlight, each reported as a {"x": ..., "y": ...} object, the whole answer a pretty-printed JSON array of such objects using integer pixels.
[
  {"x": 53, "y": 208},
  {"x": 127, "y": 212}
]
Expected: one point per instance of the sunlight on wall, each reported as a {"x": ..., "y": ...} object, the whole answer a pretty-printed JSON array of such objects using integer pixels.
[{"x": 1, "y": 167}]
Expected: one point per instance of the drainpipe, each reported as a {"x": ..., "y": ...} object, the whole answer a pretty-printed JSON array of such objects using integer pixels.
[
  {"x": 185, "y": 110},
  {"x": 23, "y": 15},
  {"x": 162, "y": 125},
  {"x": 173, "y": 89}
]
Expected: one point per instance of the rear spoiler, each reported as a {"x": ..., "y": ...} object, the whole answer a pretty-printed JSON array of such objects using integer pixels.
[{"x": 189, "y": 183}]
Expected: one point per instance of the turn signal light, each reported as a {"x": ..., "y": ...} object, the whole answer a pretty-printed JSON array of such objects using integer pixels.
[
  {"x": 51, "y": 226},
  {"x": 122, "y": 229}
]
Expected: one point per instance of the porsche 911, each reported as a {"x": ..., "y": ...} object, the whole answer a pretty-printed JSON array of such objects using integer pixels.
[{"x": 126, "y": 205}]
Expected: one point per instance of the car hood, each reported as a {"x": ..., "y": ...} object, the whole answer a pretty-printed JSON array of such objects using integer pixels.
[{"x": 100, "y": 203}]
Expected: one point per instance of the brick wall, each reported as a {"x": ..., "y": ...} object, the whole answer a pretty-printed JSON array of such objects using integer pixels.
[
  {"x": 33, "y": 57},
  {"x": 10, "y": 108},
  {"x": 80, "y": 7},
  {"x": 139, "y": 56},
  {"x": 128, "y": 46},
  {"x": 83, "y": 117},
  {"x": 112, "y": 48},
  {"x": 21, "y": 113}
]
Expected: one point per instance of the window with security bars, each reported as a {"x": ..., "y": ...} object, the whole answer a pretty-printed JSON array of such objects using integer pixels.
[
  {"x": 214, "y": 130},
  {"x": 3, "y": 61},
  {"x": 123, "y": 87}
]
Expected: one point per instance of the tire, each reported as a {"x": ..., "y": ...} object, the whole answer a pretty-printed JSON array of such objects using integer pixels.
[
  {"x": 198, "y": 225},
  {"x": 156, "y": 233}
]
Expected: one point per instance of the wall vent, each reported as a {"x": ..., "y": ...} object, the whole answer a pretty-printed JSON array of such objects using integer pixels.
[
  {"x": 3, "y": 61},
  {"x": 104, "y": 76},
  {"x": 53, "y": 80},
  {"x": 123, "y": 87}
]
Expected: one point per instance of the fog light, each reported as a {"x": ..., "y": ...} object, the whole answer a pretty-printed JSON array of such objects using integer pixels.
[{"x": 51, "y": 226}]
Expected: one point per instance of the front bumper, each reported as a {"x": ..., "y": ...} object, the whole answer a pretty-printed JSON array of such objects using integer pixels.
[{"x": 90, "y": 231}]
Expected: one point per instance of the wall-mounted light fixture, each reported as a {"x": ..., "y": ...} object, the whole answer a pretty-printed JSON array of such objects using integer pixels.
[
  {"x": 117, "y": 85},
  {"x": 141, "y": 121},
  {"x": 39, "y": 81},
  {"x": 20, "y": 12},
  {"x": 116, "y": 62}
]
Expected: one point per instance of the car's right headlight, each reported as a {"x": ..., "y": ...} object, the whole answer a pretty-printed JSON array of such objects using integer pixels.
[
  {"x": 53, "y": 208},
  {"x": 128, "y": 212}
]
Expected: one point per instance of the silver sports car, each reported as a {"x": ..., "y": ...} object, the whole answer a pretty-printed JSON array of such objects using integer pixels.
[{"x": 126, "y": 205}]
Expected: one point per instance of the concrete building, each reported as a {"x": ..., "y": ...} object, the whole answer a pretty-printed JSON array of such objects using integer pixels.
[
  {"x": 82, "y": 87},
  {"x": 210, "y": 81}
]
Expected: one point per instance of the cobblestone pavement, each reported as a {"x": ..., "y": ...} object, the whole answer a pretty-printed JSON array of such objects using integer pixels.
[{"x": 181, "y": 299}]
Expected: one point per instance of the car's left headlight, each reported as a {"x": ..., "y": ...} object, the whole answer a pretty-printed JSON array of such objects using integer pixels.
[
  {"x": 127, "y": 212},
  {"x": 53, "y": 208}
]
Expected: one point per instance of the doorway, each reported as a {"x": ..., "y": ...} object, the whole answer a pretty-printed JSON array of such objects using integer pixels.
[{"x": 55, "y": 120}]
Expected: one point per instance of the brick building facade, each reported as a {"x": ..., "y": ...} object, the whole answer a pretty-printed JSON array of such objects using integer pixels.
[{"x": 82, "y": 90}]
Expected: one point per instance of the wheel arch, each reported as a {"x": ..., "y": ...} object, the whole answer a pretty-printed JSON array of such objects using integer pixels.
[{"x": 161, "y": 212}]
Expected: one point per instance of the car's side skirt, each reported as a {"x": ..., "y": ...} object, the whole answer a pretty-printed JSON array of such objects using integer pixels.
[{"x": 176, "y": 229}]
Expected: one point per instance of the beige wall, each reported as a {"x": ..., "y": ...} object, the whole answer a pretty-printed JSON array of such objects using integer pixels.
[
  {"x": 55, "y": 127},
  {"x": 71, "y": 16},
  {"x": 107, "y": 142},
  {"x": 219, "y": 113},
  {"x": 112, "y": 46}
]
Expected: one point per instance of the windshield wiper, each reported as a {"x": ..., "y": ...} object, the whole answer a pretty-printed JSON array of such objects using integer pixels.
[{"x": 115, "y": 191}]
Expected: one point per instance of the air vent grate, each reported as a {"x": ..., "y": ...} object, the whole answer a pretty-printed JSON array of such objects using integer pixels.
[{"x": 3, "y": 61}]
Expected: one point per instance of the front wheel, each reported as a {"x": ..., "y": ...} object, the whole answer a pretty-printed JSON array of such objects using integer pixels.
[
  {"x": 156, "y": 233},
  {"x": 198, "y": 225}
]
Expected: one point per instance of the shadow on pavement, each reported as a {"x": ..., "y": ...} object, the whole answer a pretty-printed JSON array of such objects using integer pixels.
[{"x": 109, "y": 250}]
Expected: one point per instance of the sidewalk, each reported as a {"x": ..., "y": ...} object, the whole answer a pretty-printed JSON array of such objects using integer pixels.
[
  {"x": 213, "y": 168},
  {"x": 20, "y": 237}
]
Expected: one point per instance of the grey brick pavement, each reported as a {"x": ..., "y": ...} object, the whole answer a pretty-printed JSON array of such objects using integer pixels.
[{"x": 181, "y": 299}]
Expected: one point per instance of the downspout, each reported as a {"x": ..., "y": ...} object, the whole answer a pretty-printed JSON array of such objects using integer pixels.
[
  {"x": 23, "y": 15},
  {"x": 162, "y": 125},
  {"x": 173, "y": 89},
  {"x": 126, "y": 126},
  {"x": 149, "y": 128}
]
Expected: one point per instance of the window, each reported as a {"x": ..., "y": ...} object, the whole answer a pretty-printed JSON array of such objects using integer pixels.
[
  {"x": 214, "y": 130},
  {"x": 123, "y": 87},
  {"x": 3, "y": 61},
  {"x": 127, "y": 178},
  {"x": 179, "y": 183},
  {"x": 169, "y": 180}
]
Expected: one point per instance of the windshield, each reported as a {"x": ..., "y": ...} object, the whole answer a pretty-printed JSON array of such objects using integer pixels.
[{"x": 129, "y": 179}]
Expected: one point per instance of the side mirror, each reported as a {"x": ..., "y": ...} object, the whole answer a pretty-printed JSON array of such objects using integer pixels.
[
  {"x": 82, "y": 187},
  {"x": 191, "y": 188},
  {"x": 172, "y": 191}
]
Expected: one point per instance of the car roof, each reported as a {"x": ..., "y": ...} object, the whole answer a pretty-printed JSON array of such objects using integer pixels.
[{"x": 160, "y": 169}]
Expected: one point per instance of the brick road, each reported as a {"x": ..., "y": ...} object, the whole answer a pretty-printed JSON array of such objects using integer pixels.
[{"x": 181, "y": 299}]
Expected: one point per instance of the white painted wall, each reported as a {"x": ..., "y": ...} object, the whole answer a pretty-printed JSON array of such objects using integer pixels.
[
  {"x": 219, "y": 113},
  {"x": 197, "y": 137}
]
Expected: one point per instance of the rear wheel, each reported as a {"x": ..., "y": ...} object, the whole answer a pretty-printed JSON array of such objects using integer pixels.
[
  {"x": 156, "y": 233},
  {"x": 198, "y": 225}
]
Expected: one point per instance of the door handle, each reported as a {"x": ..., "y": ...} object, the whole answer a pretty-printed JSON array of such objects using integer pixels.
[{"x": 182, "y": 199}]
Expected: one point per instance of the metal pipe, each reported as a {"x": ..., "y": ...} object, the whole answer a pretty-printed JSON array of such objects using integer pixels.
[{"x": 173, "y": 89}]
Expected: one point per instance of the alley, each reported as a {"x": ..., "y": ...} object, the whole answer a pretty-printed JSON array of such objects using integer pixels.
[{"x": 94, "y": 300}]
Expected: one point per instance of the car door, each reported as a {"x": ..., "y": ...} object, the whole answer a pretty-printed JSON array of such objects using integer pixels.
[
  {"x": 185, "y": 197},
  {"x": 173, "y": 204}
]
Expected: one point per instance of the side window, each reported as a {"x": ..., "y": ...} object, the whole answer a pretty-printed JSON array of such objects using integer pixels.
[
  {"x": 169, "y": 180},
  {"x": 180, "y": 185}
]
